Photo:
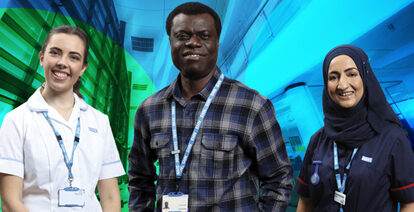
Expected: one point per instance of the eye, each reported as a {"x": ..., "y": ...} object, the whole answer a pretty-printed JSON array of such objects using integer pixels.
[
  {"x": 182, "y": 36},
  {"x": 332, "y": 78},
  {"x": 53, "y": 52},
  {"x": 353, "y": 74},
  {"x": 75, "y": 57},
  {"x": 205, "y": 36}
]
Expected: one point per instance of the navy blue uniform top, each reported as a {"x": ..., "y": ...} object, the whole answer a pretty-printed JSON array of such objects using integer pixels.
[{"x": 381, "y": 173}]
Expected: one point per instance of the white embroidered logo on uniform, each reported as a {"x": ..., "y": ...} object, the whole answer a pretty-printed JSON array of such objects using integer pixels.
[
  {"x": 366, "y": 159},
  {"x": 93, "y": 130}
]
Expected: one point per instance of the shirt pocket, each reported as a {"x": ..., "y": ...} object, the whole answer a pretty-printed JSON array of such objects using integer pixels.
[
  {"x": 321, "y": 193},
  {"x": 160, "y": 143},
  {"x": 89, "y": 163},
  {"x": 218, "y": 156}
]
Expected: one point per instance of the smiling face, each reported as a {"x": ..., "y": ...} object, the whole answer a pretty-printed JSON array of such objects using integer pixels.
[
  {"x": 194, "y": 45},
  {"x": 344, "y": 83},
  {"x": 63, "y": 61}
]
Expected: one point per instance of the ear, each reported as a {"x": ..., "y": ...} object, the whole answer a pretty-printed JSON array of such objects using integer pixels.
[
  {"x": 41, "y": 56},
  {"x": 83, "y": 69}
]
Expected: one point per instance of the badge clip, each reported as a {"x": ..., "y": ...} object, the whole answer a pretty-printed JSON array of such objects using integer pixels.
[
  {"x": 315, "y": 177},
  {"x": 175, "y": 152}
]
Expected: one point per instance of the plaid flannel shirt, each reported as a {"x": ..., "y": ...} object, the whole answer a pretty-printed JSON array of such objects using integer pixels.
[{"x": 238, "y": 162}]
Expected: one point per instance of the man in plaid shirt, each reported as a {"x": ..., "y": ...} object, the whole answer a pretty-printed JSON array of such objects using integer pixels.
[{"x": 237, "y": 158}]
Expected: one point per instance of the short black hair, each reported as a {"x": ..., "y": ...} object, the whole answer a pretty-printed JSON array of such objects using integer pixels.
[{"x": 193, "y": 8}]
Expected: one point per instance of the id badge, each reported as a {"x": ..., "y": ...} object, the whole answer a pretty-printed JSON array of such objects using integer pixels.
[
  {"x": 71, "y": 197},
  {"x": 339, "y": 197},
  {"x": 177, "y": 202}
]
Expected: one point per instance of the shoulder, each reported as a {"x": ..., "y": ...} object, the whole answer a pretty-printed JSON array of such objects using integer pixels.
[
  {"x": 316, "y": 138},
  {"x": 154, "y": 99},
  {"x": 18, "y": 114},
  {"x": 242, "y": 94},
  {"x": 392, "y": 130},
  {"x": 93, "y": 114},
  {"x": 318, "y": 134},
  {"x": 392, "y": 135},
  {"x": 20, "y": 110}
]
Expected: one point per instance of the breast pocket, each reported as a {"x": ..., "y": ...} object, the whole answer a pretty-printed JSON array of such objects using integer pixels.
[
  {"x": 323, "y": 187},
  {"x": 321, "y": 191},
  {"x": 162, "y": 144},
  {"x": 90, "y": 140},
  {"x": 218, "y": 156}
]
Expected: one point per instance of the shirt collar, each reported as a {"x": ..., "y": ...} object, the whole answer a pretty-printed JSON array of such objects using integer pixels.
[
  {"x": 174, "y": 90},
  {"x": 38, "y": 104},
  {"x": 82, "y": 104}
]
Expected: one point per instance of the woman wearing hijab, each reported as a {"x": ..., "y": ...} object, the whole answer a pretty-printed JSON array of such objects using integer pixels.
[{"x": 361, "y": 159}]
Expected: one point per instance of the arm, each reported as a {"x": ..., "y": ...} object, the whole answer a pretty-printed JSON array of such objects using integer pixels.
[
  {"x": 304, "y": 205},
  {"x": 109, "y": 195},
  {"x": 407, "y": 207},
  {"x": 11, "y": 190},
  {"x": 274, "y": 170},
  {"x": 402, "y": 169},
  {"x": 12, "y": 162},
  {"x": 142, "y": 170}
]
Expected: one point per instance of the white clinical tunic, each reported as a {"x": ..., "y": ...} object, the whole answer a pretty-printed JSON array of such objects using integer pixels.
[{"x": 29, "y": 149}]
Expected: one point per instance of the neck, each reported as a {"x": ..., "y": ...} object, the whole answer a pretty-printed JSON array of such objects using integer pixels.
[
  {"x": 61, "y": 102},
  {"x": 192, "y": 87}
]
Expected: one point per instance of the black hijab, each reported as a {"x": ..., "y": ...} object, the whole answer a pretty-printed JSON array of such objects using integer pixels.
[{"x": 350, "y": 127}]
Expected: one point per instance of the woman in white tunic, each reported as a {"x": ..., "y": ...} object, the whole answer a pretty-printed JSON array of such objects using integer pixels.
[{"x": 55, "y": 149}]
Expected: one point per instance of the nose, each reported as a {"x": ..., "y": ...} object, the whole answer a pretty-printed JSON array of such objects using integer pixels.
[
  {"x": 193, "y": 42},
  {"x": 343, "y": 83},
  {"x": 62, "y": 62}
]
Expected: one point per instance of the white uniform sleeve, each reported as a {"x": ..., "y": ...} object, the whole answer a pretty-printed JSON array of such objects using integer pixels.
[
  {"x": 11, "y": 146},
  {"x": 111, "y": 166}
]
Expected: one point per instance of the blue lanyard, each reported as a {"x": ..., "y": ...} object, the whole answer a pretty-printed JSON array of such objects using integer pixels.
[
  {"x": 68, "y": 162},
  {"x": 341, "y": 186},
  {"x": 180, "y": 167}
]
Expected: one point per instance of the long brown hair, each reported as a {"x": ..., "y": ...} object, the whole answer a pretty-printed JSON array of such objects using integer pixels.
[{"x": 71, "y": 30}]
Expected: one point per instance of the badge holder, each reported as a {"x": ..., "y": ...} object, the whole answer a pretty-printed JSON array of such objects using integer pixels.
[
  {"x": 71, "y": 197},
  {"x": 175, "y": 201},
  {"x": 315, "y": 177},
  {"x": 339, "y": 198}
]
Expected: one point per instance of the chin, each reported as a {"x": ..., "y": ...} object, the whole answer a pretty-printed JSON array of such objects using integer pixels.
[
  {"x": 194, "y": 74},
  {"x": 59, "y": 88},
  {"x": 347, "y": 105}
]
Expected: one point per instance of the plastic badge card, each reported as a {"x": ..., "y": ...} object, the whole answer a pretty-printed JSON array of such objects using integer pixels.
[
  {"x": 339, "y": 197},
  {"x": 71, "y": 197},
  {"x": 175, "y": 202}
]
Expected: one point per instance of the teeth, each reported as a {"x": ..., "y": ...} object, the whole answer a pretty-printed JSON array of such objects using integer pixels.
[
  {"x": 60, "y": 74},
  {"x": 345, "y": 94},
  {"x": 194, "y": 55}
]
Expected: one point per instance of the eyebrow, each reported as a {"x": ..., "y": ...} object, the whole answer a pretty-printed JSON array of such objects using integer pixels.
[
  {"x": 350, "y": 68},
  {"x": 60, "y": 50},
  {"x": 185, "y": 30},
  {"x": 346, "y": 70}
]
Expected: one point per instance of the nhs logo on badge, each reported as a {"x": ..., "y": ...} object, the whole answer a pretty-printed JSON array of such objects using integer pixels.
[
  {"x": 366, "y": 159},
  {"x": 93, "y": 130}
]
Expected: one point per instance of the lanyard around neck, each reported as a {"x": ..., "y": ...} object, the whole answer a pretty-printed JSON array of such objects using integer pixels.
[
  {"x": 69, "y": 162},
  {"x": 180, "y": 167},
  {"x": 341, "y": 186}
]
